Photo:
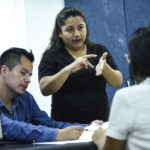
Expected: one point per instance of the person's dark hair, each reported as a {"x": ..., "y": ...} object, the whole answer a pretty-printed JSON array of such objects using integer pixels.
[
  {"x": 64, "y": 14},
  {"x": 12, "y": 57},
  {"x": 139, "y": 52}
]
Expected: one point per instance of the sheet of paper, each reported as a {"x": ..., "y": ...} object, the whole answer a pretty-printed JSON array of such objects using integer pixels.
[
  {"x": 86, "y": 136},
  {"x": 60, "y": 142},
  {"x": 105, "y": 125},
  {"x": 89, "y": 131}
]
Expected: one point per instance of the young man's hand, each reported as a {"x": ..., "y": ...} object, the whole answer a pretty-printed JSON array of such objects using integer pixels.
[{"x": 69, "y": 133}]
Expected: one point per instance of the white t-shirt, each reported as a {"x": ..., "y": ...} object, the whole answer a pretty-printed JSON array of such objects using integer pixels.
[{"x": 130, "y": 116}]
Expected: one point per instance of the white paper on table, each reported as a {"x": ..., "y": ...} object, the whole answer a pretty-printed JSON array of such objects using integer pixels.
[
  {"x": 60, "y": 142},
  {"x": 86, "y": 136}
]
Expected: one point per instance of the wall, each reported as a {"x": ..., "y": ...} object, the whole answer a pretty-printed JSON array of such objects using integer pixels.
[
  {"x": 12, "y": 26},
  {"x": 29, "y": 24},
  {"x": 39, "y": 18},
  {"x": 111, "y": 24}
]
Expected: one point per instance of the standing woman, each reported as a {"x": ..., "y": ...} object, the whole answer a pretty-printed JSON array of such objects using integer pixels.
[{"x": 75, "y": 71}]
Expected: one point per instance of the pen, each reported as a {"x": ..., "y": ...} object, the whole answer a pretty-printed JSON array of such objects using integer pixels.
[
  {"x": 89, "y": 130},
  {"x": 128, "y": 83}
]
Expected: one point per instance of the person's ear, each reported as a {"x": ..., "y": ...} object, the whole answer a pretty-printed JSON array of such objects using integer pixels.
[
  {"x": 4, "y": 70},
  {"x": 60, "y": 35}
]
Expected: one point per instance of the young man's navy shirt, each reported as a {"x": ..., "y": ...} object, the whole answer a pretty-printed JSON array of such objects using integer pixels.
[{"x": 27, "y": 122}]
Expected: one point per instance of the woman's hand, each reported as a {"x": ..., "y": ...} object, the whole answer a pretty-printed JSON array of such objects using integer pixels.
[
  {"x": 99, "y": 138},
  {"x": 113, "y": 77},
  {"x": 100, "y": 65},
  {"x": 99, "y": 122},
  {"x": 81, "y": 62}
]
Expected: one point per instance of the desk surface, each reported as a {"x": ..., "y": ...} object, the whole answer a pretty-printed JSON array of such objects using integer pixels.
[{"x": 70, "y": 146}]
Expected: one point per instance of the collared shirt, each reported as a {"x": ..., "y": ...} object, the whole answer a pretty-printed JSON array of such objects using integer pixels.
[{"x": 27, "y": 122}]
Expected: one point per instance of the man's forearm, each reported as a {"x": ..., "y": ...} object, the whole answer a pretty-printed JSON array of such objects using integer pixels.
[{"x": 16, "y": 130}]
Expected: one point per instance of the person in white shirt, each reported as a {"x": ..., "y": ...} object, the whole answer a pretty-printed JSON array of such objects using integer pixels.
[{"x": 129, "y": 121}]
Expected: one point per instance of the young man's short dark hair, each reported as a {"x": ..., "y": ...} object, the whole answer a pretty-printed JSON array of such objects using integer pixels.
[{"x": 12, "y": 56}]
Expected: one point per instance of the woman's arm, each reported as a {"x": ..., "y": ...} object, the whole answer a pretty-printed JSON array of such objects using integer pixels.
[
  {"x": 113, "y": 144},
  {"x": 51, "y": 84},
  {"x": 113, "y": 77},
  {"x": 106, "y": 143}
]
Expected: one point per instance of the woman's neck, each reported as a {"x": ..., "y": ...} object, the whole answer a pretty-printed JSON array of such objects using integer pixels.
[
  {"x": 76, "y": 53},
  {"x": 140, "y": 78}
]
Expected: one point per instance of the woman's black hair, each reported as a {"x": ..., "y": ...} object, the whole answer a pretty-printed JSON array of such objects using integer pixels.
[
  {"x": 139, "y": 52},
  {"x": 56, "y": 42}
]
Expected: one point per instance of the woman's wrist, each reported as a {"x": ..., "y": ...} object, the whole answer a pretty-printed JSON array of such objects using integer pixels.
[
  {"x": 105, "y": 68},
  {"x": 68, "y": 69}
]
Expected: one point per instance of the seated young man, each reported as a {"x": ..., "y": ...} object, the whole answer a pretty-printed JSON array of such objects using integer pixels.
[{"x": 22, "y": 119}]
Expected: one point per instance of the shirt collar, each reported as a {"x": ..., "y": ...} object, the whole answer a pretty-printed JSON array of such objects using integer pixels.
[
  {"x": 1, "y": 103},
  {"x": 15, "y": 102}
]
